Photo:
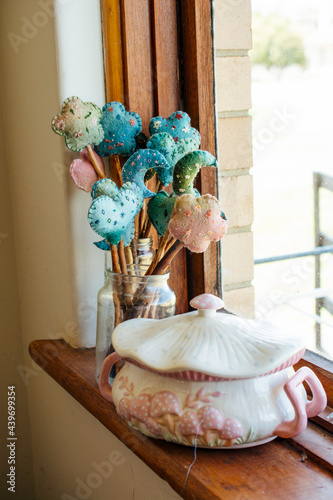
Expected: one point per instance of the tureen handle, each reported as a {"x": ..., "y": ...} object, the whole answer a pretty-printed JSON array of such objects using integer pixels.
[
  {"x": 207, "y": 304},
  {"x": 302, "y": 412},
  {"x": 103, "y": 381}
]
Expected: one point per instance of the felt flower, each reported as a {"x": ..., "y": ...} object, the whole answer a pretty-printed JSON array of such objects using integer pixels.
[
  {"x": 83, "y": 173},
  {"x": 113, "y": 209},
  {"x": 121, "y": 129},
  {"x": 197, "y": 221},
  {"x": 171, "y": 150},
  {"x": 140, "y": 163},
  {"x": 160, "y": 209},
  {"x": 79, "y": 123},
  {"x": 187, "y": 168},
  {"x": 178, "y": 125}
]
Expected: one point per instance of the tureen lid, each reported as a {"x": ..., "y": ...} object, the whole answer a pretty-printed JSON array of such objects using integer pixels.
[{"x": 206, "y": 342}]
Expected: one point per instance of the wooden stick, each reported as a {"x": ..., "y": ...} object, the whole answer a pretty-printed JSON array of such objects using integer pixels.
[
  {"x": 147, "y": 228},
  {"x": 169, "y": 244},
  {"x": 134, "y": 248},
  {"x": 93, "y": 161},
  {"x": 165, "y": 262},
  {"x": 116, "y": 171},
  {"x": 161, "y": 247},
  {"x": 143, "y": 218},
  {"x": 160, "y": 252},
  {"x": 115, "y": 259},
  {"x": 128, "y": 255},
  {"x": 116, "y": 269},
  {"x": 122, "y": 257}
]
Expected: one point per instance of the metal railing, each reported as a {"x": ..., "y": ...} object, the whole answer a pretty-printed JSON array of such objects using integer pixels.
[
  {"x": 324, "y": 181},
  {"x": 323, "y": 244}
]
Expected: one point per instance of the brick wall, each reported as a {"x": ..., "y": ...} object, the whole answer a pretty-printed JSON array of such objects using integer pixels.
[{"x": 233, "y": 88}]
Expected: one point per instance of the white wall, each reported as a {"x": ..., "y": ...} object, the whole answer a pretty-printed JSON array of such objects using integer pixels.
[
  {"x": 39, "y": 264},
  {"x": 11, "y": 350}
]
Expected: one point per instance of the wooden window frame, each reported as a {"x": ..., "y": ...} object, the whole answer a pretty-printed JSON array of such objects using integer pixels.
[{"x": 159, "y": 54}]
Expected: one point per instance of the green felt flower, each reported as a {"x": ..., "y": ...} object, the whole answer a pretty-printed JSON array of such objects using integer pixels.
[
  {"x": 171, "y": 150},
  {"x": 187, "y": 169},
  {"x": 79, "y": 123},
  {"x": 159, "y": 211}
]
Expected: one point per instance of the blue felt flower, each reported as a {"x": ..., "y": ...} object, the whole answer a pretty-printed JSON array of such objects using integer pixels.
[
  {"x": 141, "y": 162},
  {"x": 178, "y": 125},
  {"x": 111, "y": 215},
  {"x": 121, "y": 129}
]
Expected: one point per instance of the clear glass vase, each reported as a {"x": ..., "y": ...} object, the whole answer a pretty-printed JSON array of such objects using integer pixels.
[
  {"x": 126, "y": 297},
  {"x": 141, "y": 252},
  {"x": 144, "y": 251}
]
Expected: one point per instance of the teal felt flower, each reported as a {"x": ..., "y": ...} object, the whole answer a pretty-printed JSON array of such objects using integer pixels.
[
  {"x": 187, "y": 169},
  {"x": 121, "y": 129},
  {"x": 127, "y": 237},
  {"x": 79, "y": 123},
  {"x": 102, "y": 245},
  {"x": 160, "y": 209},
  {"x": 104, "y": 187},
  {"x": 141, "y": 162},
  {"x": 110, "y": 214},
  {"x": 171, "y": 150},
  {"x": 178, "y": 125}
]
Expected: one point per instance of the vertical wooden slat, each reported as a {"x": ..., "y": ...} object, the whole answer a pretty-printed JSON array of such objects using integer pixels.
[
  {"x": 167, "y": 100},
  {"x": 142, "y": 71},
  {"x": 199, "y": 102},
  {"x": 166, "y": 71},
  {"x": 113, "y": 53},
  {"x": 138, "y": 57}
]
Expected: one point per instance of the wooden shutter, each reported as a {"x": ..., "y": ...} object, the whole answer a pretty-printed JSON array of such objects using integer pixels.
[{"x": 159, "y": 54}]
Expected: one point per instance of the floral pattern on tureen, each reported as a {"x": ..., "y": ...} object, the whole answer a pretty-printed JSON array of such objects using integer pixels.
[{"x": 210, "y": 380}]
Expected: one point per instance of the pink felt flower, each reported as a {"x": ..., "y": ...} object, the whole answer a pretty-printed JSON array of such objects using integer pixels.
[
  {"x": 83, "y": 173},
  {"x": 197, "y": 221}
]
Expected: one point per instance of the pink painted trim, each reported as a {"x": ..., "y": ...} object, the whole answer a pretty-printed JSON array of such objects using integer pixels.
[
  {"x": 302, "y": 411},
  {"x": 203, "y": 377},
  {"x": 103, "y": 381}
]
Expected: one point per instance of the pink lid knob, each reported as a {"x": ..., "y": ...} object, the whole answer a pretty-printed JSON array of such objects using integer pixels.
[{"x": 207, "y": 301}]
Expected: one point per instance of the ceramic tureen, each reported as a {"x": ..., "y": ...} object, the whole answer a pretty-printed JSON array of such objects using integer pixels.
[{"x": 210, "y": 379}]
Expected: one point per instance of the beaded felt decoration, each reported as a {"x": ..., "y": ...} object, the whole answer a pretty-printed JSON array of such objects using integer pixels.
[
  {"x": 171, "y": 150},
  {"x": 159, "y": 211},
  {"x": 139, "y": 163},
  {"x": 197, "y": 221},
  {"x": 121, "y": 129},
  {"x": 79, "y": 123},
  {"x": 187, "y": 168},
  {"x": 178, "y": 125},
  {"x": 110, "y": 214},
  {"x": 83, "y": 173}
]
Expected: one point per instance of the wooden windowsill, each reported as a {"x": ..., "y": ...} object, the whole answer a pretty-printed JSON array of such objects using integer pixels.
[{"x": 277, "y": 470}]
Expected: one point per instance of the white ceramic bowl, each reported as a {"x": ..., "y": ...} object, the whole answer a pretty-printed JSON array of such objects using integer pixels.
[{"x": 210, "y": 379}]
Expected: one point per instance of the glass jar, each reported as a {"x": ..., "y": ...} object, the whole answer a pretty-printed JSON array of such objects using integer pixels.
[
  {"x": 126, "y": 297},
  {"x": 144, "y": 251},
  {"x": 141, "y": 252}
]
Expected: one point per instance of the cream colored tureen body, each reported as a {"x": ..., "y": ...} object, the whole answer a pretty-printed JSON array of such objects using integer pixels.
[{"x": 210, "y": 379}]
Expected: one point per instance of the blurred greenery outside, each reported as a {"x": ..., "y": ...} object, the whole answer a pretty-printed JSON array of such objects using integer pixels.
[
  {"x": 292, "y": 137},
  {"x": 275, "y": 43}
]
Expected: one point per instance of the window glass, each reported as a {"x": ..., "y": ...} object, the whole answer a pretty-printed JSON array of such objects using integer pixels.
[{"x": 292, "y": 81}]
